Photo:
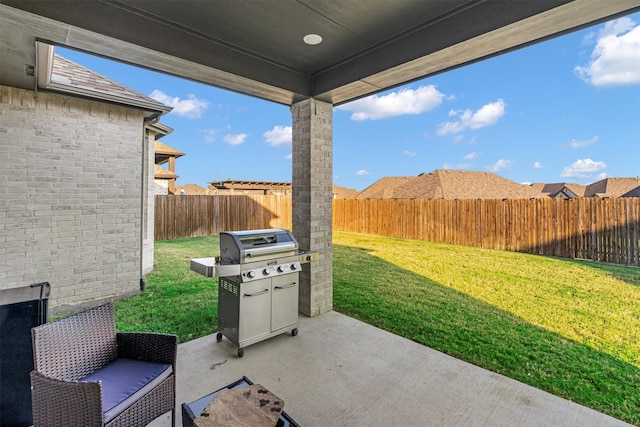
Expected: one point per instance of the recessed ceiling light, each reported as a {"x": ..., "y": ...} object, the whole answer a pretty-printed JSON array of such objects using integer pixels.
[{"x": 312, "y": 39}]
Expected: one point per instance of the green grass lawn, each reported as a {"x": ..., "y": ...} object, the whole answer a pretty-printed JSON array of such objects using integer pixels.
[
  {"x": 177, "y": 300},
  {"x": 571, "y": 328}
]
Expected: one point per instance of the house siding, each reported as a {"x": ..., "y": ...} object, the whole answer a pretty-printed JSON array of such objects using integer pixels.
[{"x": 70, "y": 202}]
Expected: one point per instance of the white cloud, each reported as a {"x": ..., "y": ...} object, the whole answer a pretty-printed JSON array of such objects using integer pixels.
[
  {"x": 459, "y": 166},
  {"x": 404, "y": 101},
  {"x": 279, "y": 135},
  {"x": 450, "y": 127},
  {"x": 210, "y": 135},
  {"x": 235, "y": 139},
  {"x": 579, "y": 144},
  {"x": 408, "y": 153},
  {"x": 501, "y": 164},
  {"x": 471, "y": 156},
  {"x": 191, "y": 108},
  {"x": 537, "y": 165},
  {"x": 488, "y": 115},
  {"x": 363, "y": 172},
  {"x": 583, "y": 168},
  {"x": 615, "y": 59},
  {"x": 288, "y": 156}
]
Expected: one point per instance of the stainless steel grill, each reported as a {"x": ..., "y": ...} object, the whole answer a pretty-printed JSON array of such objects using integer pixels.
[{"x": 258, "y": 281}]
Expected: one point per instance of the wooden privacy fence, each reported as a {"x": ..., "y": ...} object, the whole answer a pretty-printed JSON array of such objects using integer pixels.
[
  {"x": 587, "y": 228},
  {"x": 191, "y": 216}
]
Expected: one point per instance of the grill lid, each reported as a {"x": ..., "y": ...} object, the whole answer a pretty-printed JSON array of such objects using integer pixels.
[{"x": 239, "y": 247}]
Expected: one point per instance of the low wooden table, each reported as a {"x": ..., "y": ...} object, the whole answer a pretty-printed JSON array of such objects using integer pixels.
[{"x": 191, "y": 411}]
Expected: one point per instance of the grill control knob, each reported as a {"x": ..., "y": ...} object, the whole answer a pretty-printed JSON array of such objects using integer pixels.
[
  {"x": 251, "y": 274},
  {"x": 281, "y": 269},
  {"x": 293, "y": 266},
  {"x": 266, "y": 271}
]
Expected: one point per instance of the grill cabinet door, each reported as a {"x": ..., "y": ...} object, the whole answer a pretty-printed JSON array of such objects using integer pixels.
[
  {"x": 284, "y": 301},
  {"x": 255, "y": 309}
]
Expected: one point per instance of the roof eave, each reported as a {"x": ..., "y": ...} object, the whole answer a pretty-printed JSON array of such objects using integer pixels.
[
  {"x": 44, "y": 60},
  {"x": 151, "y": 109}
]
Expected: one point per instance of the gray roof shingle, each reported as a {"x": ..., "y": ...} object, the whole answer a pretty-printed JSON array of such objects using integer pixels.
[{"x": 69, "y": 77}]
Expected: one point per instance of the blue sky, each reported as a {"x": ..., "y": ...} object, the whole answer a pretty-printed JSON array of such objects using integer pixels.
[{"x": 566, "y": 110}]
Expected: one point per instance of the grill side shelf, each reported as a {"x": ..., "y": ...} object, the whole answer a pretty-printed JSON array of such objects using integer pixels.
[{"x": 209, "y": 268}]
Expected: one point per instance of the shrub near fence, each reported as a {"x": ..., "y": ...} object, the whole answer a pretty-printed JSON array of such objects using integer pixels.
[{"x": 587, "y": 228}]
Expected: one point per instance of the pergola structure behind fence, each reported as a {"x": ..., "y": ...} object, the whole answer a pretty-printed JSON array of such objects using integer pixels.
[{"x": 605, "y": 230}]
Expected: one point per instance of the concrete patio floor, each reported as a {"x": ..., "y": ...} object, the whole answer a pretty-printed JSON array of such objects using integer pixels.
[{"x": 339, "y": 371}]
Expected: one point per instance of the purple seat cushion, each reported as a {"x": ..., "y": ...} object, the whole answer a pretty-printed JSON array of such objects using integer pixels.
[{"x": 125, "y": 381}]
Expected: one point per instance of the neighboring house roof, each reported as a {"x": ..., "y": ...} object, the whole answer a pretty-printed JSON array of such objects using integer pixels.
[
  {"x": 538, "y": 186},
  {"x": 611, "y": 187},
  {"x": 163, "y": 152},
  {"x": 458, "y": 184},
  {"x": 68, "y": 77},
  {"x": 453, "y": 184},
  {"x": 162, "y": 148},
  {"x": 423, "y": 186},
  {"x": 563, "y": 189},
  {"x": 160, "y": 129},
  {"x": 384, "y": 188},
  {"x": 192, "y": 189},
  {"x": 633, "y": 193},
  {"x": 161, "y": 173},
  {"x": 576, "y": 189},
  {"x": 344, "y": 193}
]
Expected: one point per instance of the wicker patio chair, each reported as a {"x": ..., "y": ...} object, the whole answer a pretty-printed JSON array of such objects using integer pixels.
[{"x": 86, "y": 374}]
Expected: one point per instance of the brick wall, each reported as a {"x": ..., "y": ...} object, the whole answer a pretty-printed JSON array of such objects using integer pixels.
[
  {"x": 70, "y": 196},
  {"x": 312, "y": 200}
]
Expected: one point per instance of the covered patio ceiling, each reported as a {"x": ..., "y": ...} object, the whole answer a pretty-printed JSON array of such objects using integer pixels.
[{"x": 256, "y": 47}]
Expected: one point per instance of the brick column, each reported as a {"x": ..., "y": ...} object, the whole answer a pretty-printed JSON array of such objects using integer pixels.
[{"x": 312, "y": 198}]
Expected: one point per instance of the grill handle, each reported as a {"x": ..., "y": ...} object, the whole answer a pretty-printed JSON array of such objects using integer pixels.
[
  {"x": 290, "y": 285},
  {"x": 255, "y": 294}
]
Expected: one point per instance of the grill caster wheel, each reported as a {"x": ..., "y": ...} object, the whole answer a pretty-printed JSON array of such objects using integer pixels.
[
  {"x": 240, "y": 352},
  {"x": 294, "y": 332},
  {"x": 219, "y": 337}
]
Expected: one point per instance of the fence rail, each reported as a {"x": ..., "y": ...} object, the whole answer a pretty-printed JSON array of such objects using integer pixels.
[{"x": 587, "y": 228}]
